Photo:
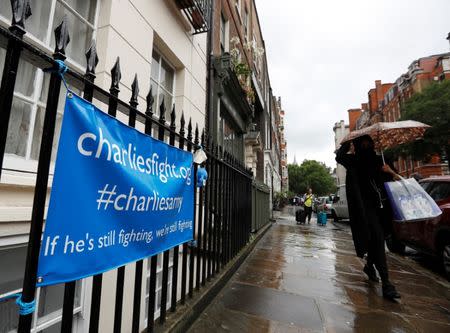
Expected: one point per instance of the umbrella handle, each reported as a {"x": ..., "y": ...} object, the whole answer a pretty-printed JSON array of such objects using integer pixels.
[{"x": 382, "y": 156}]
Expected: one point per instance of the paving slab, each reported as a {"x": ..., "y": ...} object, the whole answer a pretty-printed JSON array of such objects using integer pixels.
[{"x": 307, "y": 278}]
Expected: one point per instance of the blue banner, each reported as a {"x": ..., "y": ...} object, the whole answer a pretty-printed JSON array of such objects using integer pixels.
[{"x": 117, "y": 196}]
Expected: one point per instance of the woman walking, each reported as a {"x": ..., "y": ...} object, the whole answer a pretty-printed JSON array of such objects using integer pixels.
[
  {"x": 370, "y": 213},
  {"x": 308, "y": 199}
]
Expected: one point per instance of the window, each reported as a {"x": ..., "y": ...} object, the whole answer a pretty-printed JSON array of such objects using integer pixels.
[
  {"x": 238, "y": 6},
  {"x": 224, "y": 41},
  {"x": 159, "y": 284},
  {"x": 245, "y": 24},
  {"x": 27, "y": 116},
  {"x": 440, "y": 191},
  {"x": 49, "y": 300},
  {"x": 49, "y": 13},
  {"x": 162, "y": 82},
  {"x": 229, "y": 138}
]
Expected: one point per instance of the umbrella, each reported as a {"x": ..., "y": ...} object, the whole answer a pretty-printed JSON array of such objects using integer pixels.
[{"x": 387, "y": 135}]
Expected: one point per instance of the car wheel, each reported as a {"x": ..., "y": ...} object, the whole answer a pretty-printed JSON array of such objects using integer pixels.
[
  {"x": 394, "y": 245},
  {"x": 334, "y": 216},
  {"x": 446, "y": 260}
]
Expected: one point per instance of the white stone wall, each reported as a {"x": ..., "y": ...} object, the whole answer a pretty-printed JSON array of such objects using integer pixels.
[
  {"x": 129, "y": 29},
  {"x": 340, "y": 131}
]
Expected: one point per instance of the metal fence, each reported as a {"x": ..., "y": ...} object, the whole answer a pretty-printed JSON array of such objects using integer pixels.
[
  {"x": 260, "y": 206},
  {"x": 223, "y": 208}
]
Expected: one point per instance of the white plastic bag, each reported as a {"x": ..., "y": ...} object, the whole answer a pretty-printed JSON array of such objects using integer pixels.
[{"x": 410, "y": 202}]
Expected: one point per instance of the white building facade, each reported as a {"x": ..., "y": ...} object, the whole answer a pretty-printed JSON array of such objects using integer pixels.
[
  {"x": 153, "y": 40},
  {"x": 340, "y": 131}
]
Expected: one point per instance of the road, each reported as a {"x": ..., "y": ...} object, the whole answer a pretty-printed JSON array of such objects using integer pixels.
[{"x": 308, "y": 279}]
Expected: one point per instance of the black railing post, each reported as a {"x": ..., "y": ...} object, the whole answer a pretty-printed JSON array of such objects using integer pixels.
[
  {"x": 154, "y": 259},
  {"x": 88, "y": 92},
  {"x": 97, "y": 279},
  {"x": 121, "y": 270},
  {"x": 20, "y": 12},
  {"x": 211, "y": 194},
  {"x": 149, "y": 112},
  {"x": 165, "y": 271},
  {"x": 199, "y": 251},
  {"x": 40, "y": 193},
  {"x": 139, "y": 263},
  {"x": 176, "y": 250},
  {"x": 204, "y": 249},
  {"x": 193, "y": 251},
  {"x": 218, "y": 212},
  {"x": 226, "y": 211}
]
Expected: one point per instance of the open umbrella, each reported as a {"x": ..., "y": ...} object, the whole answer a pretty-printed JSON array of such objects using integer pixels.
[{"x": 387, "y": 135}]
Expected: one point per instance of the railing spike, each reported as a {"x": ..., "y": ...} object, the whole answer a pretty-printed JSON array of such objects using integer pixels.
[
  {"x": 21, "y": 10},
  {"x": 62, "y": 38},
  {"x": 173, "y": 118},
  {"x": 91, "y": 58},
  {"x": 116, "y": 75},
  {"x": 189, "y": 135},
  {"x": 204, "y": 144},
  {"x": 196, "y": 138},
  {"x": 162, "y": 112},
  {"x": 150, "y": 99},
  {"x": 134, "y": 90},
  {"x": 182, "y": 123}
]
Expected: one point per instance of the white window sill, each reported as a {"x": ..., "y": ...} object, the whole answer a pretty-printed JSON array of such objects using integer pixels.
[{"x": 20, "y": 172}]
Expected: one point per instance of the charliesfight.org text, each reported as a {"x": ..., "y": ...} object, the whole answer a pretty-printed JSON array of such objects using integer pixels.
[{"x": 95, "y": 145}]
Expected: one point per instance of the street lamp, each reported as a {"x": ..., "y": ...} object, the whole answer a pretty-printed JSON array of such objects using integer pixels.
[{"x": 448, "y": 37}]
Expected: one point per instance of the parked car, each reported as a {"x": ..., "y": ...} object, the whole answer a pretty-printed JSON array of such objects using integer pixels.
[
  {"x": 430, "y": 236},
  {"x": 339, "y": 210},
  {"x": 324, "y": 204}
]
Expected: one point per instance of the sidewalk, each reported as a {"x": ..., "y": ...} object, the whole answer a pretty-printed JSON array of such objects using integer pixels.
[{"x": 308, "y": 279}]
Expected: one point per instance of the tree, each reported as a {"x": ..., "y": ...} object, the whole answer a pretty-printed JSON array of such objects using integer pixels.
[
  {"x": 431, "y": 107},
  {"x": 311, "y": 174}
]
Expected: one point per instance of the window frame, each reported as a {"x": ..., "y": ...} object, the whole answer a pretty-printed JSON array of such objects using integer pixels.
[
  {"x": 245, "y": 23},
  {"x": 158, "y": 84},
  {"x": 158, "y": 289},
  {"x": 25, "y": 163},
  {"x": 40, "y": 323},
  {"x": 238, "y": 6},
  {"x": 224, "y": 34}
]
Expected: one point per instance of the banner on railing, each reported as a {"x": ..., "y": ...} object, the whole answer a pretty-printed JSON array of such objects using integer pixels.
[{"x": 117, "y": 196}]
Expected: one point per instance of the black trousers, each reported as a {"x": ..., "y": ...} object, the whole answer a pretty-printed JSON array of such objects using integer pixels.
[
  {"x": 376, "y": 252},
  {"x": 308, "y": 212}
]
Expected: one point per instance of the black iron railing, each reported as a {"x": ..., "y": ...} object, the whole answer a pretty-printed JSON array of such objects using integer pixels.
[
  {"x": 222, "y": 209},
  {"x": 197, "y": 12}
]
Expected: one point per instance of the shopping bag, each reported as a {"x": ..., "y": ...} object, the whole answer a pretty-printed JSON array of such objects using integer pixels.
[{"x": 410, "y": 202}]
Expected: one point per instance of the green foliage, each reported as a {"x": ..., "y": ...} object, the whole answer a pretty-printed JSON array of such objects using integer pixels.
[
  {"x": 242, "y": 69},
  {"x": 280, "y": 199},
  {"x": 431, "y": 107},
  {"x": 311, "y": 174}
]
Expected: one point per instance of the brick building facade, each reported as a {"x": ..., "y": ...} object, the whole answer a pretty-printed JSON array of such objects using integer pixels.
[{"x": 385, "y": 103}]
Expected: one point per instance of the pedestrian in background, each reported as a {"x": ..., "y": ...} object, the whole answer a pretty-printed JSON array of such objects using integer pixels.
[
  {"x": 369, "y": 211},
  {"x": 308, "y": 200}
]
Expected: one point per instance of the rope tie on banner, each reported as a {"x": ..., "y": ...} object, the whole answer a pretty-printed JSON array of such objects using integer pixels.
[
  {"x": 60, "y": 68},
  {"x": 24, "y": 307}
]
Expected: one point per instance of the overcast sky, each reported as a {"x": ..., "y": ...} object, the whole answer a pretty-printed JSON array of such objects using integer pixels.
[{"x": 324, "y": 56}]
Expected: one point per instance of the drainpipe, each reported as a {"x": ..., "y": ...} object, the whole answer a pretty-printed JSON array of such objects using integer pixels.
[{"x": 209, "y": 108}]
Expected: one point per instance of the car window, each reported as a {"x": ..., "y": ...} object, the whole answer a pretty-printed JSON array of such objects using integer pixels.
[
  {"x": 440, "y": 191},
  {"x": 427, "y": 186}
]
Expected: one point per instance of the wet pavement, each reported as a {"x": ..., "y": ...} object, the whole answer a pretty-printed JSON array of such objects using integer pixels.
[{"x": 307, "y": 279}]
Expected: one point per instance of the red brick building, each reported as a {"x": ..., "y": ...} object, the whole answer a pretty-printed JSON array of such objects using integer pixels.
[
  {"x": 421, "y": 73},
  {"x": 386, "y": 101}
]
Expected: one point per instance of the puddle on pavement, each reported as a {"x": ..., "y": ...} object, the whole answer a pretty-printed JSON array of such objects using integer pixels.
[{"x": 308, "y": 279}]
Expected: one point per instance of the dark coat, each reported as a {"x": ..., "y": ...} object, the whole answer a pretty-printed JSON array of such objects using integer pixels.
[{"x": 362, "y": 202}]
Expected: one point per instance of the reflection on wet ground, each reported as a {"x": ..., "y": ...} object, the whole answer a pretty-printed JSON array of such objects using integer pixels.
[{"x": 308, "y": 279}]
